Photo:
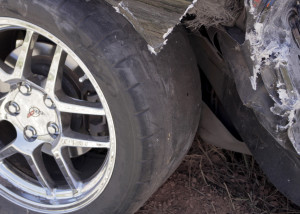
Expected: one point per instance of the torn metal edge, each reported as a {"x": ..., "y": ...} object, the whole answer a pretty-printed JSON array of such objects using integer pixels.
[{"x": 122, "y": 6}]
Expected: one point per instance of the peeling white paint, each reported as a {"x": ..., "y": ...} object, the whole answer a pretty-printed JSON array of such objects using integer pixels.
[
  {"x": 252, "y": 8},
  {"x": 168, "y": 32},
  {"x": 285, "y": 99},
  {"x": 166, "y": 41},
  {"x": 117, "y": 9},
  {"x": 255, "y": 39},
  {"x": 265, "y": 54},
  {"x": 275, "y": 50},
  {"x": 187, "y": 10},
  {"x": 125, "y": 8},
  {"x": 152, "y": 50},
  {"x": 259, "y": 52},
  {"x": 291, "y": 115},
  {"x": 256, "y": 71},
  {"x": 279, "y": 84},
  {"x": 127, "y": 14},
  {"x": 283, "y": 96}
]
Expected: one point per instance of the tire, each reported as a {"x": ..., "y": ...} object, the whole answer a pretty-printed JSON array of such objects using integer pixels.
[{"x": 154, "y": 101}]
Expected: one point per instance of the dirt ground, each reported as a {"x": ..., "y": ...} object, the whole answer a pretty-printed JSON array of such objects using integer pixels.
[{"x": 213, "y": 181}]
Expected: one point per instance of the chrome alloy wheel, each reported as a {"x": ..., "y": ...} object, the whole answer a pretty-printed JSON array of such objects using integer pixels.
[{"x": 67, "y": 165}]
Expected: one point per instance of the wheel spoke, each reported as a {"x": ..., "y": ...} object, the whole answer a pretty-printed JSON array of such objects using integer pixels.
[
  {"x": 56, "y": 70},
  {"x": 71, "y": 105},
  {"x": 5, "y": 72},
  {"x": 4, "y": 87},
  {"x": 84, "y": 141},
  {"x": 33, "y": 157},
  {"x": 66, "y": 167},
  {"x": 13, "y": 147},
  {"x": 36, "y": 163},
  {"x": 7, "y": 151},
  {"x": 23, "y": 64}
]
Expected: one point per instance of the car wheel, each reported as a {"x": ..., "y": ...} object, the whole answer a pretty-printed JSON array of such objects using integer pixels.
[{"x": 91, "y": 122}]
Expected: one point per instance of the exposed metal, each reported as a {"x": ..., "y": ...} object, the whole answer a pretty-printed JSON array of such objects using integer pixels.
[{"x": 35, "y": 110}]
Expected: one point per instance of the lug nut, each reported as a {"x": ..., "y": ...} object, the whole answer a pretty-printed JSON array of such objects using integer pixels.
[
  {"x": 12, "y": 108},
  {"x": 53, "y": 129},
  {"x": 25, "y": 89},
  {"x": 30, "y": 133},
  {"x": 48, "y": 102}
]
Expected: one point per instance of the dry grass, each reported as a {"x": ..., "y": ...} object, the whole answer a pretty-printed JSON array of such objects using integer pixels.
[
  {"x": 211, "y": 180},
  {"x": 214, "y": 13}
]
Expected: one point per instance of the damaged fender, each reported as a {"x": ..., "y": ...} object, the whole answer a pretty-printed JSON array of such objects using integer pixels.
[
  {"x": 153, "y": 20},
  {"x": 265, "y": 67},
  {"x": 275, "y": 56}
]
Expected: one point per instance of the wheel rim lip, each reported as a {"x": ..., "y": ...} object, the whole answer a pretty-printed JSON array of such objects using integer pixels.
[{"x": 102, "y": 178}]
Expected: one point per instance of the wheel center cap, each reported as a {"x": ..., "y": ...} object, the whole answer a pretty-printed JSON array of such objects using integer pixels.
[
  {"x": 34, "y": 112},
  {"x": 30, "y": 106}
]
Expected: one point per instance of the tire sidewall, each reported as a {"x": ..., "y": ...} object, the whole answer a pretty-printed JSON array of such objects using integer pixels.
[{"x": 126, "y": 167}]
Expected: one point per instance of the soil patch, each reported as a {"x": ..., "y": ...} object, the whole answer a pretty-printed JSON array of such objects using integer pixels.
[{"x": 214, "y": 181}]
